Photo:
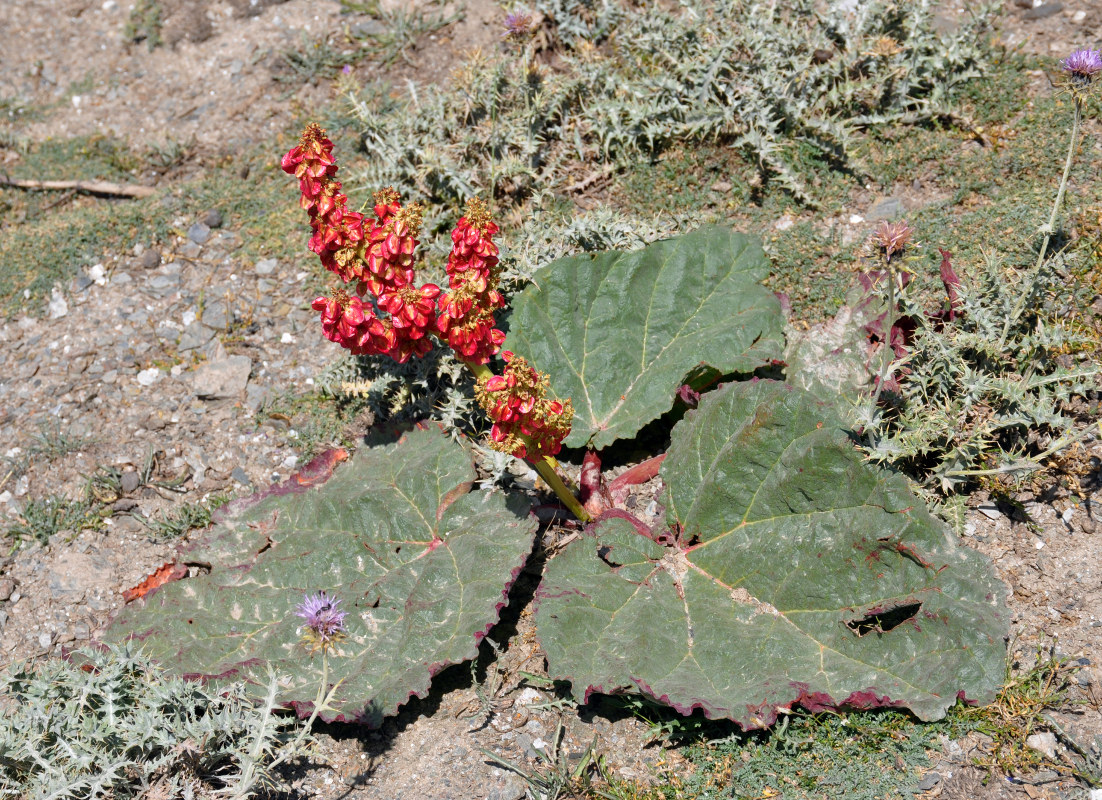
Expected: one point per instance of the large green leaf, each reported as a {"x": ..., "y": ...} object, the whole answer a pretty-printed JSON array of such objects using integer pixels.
[
  {"x": 792, "y": 571},
  {"x": 618, "y": 332},
  {"x": 422, "y": 564}
]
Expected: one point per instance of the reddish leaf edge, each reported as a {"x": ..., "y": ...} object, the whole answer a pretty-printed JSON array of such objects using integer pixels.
[
  {"x": 316, "y": 472},
  {"x": 758, "y": 717}
]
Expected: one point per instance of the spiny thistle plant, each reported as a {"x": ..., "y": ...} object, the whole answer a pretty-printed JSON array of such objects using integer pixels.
[
  {"x": 766, "y": 79},
  {"x": 111, "y": 723},
  {"x": 979, "y": 388}
]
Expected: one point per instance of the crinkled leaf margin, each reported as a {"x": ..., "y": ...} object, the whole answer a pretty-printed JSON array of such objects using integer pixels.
[
  {"x": 423, "y": 566},
  {"x": 791, "y": 571}
]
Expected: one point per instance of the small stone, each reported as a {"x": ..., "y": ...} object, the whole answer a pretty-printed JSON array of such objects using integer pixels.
[
  {"x": 929, "y": 781},
  {"x": 889, "y": 208},
  {"x": 199, "y": 233},
  {"x": 239, "y": 475},
  {"x": 212, "y": 218},
  {"x": 722, "y": 187},
  {"x": 130, "y": 481},
  {"x": 195, "y": 335},
  {"x": 191, "y": 250},
  {"x": 367, "y": 28},
  {"x": 7, "y": 586},
  {"x": 148, "y": 377},
  {"x": 161, "y": 285},
  {"x": 124, "y": 505},
  {"x": 255, "y": 396},
  {"x": 1079, "y": 16},
  {"x": 58, "y": 305},
  {"x": 1044, "y": 743},
  {"x": 45, "y": 640},
  {"x": 217, "y": 315},
  {"x": 266, "y": 266},
  {"x": 1043, "y": 11},
  {"x": 513, "y": 789},
  {"x": 527, "y": 696},
  {"x": 110, "y": 376},
  {"x": 226, "y": 377},
  {"x": 989, "y": 510},
  {"x": 150, "y": 259}
]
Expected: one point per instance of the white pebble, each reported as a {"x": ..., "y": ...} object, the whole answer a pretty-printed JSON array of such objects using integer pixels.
[
  {"x": 148, "y": 377},
  {"x": 856, "y": 219},
  {"x": 58, "y": 305}
]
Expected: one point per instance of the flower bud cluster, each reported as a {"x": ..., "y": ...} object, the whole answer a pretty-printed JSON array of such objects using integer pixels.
[
  {"x": 526, "y": 423},
  {"x": 467, "y": 311},
  {"x": 377, "y": 255}
]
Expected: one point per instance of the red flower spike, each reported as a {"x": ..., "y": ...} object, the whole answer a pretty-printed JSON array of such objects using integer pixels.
[{"x": 465, "y": 314}]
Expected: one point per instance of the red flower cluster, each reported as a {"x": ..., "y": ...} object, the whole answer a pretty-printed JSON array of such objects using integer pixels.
[
  {"x": 467, "y": 311},
  {"x": 379, "y": 259},
  {"x": 378, "y": 256},
  {"x": 337, "y": 231},
  {"x": 526, "y": 423}
]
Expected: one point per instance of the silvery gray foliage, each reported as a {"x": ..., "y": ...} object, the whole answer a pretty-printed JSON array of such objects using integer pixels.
[
  {"x": 764, "y": 77},
  {"x": 547, "y": 236},
  {"x": 120, "y": 727},
  {"x": 578, "y": 21},
  {"x": 986, "y": 392}
]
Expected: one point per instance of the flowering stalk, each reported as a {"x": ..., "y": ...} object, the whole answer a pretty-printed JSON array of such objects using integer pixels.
[
  {"x": 888, "y": 243},
  {"x": 1079, "y": 68},
  {"x": 378, "y": 257}
]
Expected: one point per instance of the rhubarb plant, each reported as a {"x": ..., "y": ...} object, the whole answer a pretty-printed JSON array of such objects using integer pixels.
[{"x": 787, "y": 569}]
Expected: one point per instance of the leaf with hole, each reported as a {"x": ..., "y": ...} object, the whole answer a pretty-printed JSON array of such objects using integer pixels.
[
  {"x": 422, "y": 564},
  {"x": 791, "y": 571},
  {"x": 619, "y": 332}
]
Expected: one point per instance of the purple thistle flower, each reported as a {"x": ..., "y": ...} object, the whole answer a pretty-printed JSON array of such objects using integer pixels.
[
  {"x": 324, "y": 623},
  {"x": 346, "y": 69},
  {"x": 1081, "y": 66},
  {"x": 890, "y": 238},
  {"x": 518, "y": 25}
]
